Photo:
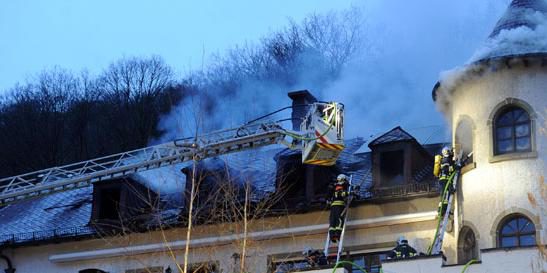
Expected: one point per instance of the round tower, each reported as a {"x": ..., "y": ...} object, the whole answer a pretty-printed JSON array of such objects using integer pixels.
[{"x": 496, "y": 106}]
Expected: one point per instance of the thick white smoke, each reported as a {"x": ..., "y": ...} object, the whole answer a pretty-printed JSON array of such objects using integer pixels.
[
  {"x": 528, "y": 38},
  {"x": 388, "y": 83}
]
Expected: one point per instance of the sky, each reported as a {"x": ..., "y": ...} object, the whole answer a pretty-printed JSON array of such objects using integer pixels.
[
  {"x": 77, "y": 35},
  {"x": 408, "y": 44}
]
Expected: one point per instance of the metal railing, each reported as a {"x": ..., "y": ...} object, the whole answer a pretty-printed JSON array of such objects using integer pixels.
[
  {"x": 403, "y": 190},
  {"x": 27, "y": 237}
]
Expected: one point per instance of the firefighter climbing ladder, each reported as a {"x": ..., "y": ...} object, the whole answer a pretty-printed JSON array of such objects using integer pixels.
[
  {"x": 346, "y": 211},
  {"x": 248, "y": 136},
  {"x": 447, "y": 197}
]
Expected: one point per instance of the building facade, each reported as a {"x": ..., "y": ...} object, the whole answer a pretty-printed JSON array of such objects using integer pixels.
[{"x": 496, "y": 108}]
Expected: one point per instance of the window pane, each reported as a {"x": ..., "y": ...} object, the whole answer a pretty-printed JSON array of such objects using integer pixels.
[
  {"x": 509, "y": 241},
  {"x": 526, "y": 226},
  {"x": 522, "y": 130},
  {"x": 527, "y": 240},
  {"x": 523, "y": 143},
  {"x": 521, "y": 115},
  {"x": 505, "y": 146},
  {"x": 505, "y": 119},
  {"x": 360, "y": 262},
  {"x": 509, "y": 228},
  {"x": 504, "y": 133}
]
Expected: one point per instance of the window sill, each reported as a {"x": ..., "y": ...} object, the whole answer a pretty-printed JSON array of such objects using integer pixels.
[
  {"x": 469, "y": 167},
  {"x": 508, "y": 248},
  {"x": 512, "y": 156}
]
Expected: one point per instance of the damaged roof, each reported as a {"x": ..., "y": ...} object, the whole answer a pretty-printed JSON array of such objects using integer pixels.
[{"x": 68, "y": 214}]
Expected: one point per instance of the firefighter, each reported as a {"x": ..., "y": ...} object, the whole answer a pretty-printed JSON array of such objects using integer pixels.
[
  {"x": 443, "y": 169},
  {"x": 339, "y": 197},
  {"x": 314, "y": 257},
  {"x": 402, "y": 250}
]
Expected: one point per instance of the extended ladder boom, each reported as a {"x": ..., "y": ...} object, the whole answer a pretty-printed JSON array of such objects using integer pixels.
[
  {"x": 323, "y": 136},
  {"x": 84, "y": 173}
]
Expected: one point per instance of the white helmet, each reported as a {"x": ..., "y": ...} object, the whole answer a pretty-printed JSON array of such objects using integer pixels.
[
  {"x": 401, "y": 239},
  {"x": 341, "y": 177},
  {"x": 446, "y": 151}
]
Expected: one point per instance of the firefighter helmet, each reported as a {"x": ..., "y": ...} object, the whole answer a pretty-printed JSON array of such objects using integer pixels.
[
  {"x": 446, "y": 151},
  {"x": 342, "y": 177}
]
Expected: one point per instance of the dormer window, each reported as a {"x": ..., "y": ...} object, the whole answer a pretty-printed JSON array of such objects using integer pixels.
[
  {"x": 392, "y": 168},
  {"x": 109, "y": 208},
  {"x": 398, "y": 160},
  {"x": 120, "y": 201}
]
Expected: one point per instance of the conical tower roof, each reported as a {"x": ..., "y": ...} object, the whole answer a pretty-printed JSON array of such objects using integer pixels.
[
  {"x": 522, "y": 30},
  {"x": 516, "y": 15},
  {"x": 520, "y": 34}
]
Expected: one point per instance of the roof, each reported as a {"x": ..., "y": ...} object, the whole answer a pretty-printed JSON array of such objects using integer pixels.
[
  {"x": 516, "y": 15},
  {"x": 67, "y": 214},
  {"x": 520, "y": 33},
  {"x": 39, "y": 217},
  {"x": 394, "y": 135},
  {"x": 521, "y": 30}
]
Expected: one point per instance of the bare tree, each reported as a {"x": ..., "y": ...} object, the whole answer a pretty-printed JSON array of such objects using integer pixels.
[{"x": 131, "y": 87}]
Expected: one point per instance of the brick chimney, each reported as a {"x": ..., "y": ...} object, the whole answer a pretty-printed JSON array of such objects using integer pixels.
[{"x": 300, "y": 98}]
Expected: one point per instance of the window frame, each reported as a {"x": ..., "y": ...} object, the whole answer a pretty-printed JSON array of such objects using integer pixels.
[
  {"x": 496, "y": 112},
  {"x": 517, "y": 234},
  {"x": 514, "y": 124}
]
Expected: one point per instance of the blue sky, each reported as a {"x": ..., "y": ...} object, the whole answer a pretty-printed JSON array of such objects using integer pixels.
[
  {"x": 36, "y": 35},
  {"x": 408, "y": 43}
]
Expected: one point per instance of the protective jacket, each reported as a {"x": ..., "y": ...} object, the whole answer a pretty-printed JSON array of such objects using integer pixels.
[
  {"x": 402, "y": 250},
  {"x": 339, "y": 197}
]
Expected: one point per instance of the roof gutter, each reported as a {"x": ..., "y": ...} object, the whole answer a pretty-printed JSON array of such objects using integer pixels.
[
  {"x": 496, "y": 60},
  {"x": 258, "y": 235}
]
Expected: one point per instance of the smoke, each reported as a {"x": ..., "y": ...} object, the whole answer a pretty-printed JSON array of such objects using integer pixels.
[
  {"x": 391, "y": 83},
  {"x": 525, "y": 32},
  {"x": 386, "y": 83}
]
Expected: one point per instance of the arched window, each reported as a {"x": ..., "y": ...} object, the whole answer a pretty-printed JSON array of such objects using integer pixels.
[
  {"x": 512, "y": 131},
  {"x": 467, "y": 246},
  {"x": 517, "y": 230},
  {"x": 464, "y": 137}
]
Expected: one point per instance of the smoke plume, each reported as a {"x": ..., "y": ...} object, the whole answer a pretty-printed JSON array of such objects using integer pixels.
[
  {"x": 386, "y": 82},
  {"x": 528, "y": 35}
]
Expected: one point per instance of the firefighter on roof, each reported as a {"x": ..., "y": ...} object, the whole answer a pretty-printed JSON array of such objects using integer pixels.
[
  {"x": 443, "y": 169},
  {"x": 339, "y": 197}
]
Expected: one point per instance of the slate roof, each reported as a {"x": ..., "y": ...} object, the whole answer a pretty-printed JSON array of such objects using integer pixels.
[
  {"x": 68, "y": 213},
  {"x": 515, "y": 16},
  {"x": 520, "y": 31},
  {"x": 396, "y": 134},
  {"x": 37, "y": 218}
]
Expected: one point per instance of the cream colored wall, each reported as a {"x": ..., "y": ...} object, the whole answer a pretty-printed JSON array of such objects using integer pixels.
[
  {"x": 506, "y": 261},
  {"x": 495, "y": 189},
  {"x": 419, "y": 232}
]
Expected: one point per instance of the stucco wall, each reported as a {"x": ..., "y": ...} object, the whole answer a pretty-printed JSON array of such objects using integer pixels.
[
  {"x": 496, "y": 188},
  {"x": 374, "y": 224},
  {"x": 506, "y": 261}
]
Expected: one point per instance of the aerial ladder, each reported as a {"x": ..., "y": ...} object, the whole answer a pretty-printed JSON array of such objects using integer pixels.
[
  {"x": 320, "y": 138},
  {"x": 448, "y": 198}
]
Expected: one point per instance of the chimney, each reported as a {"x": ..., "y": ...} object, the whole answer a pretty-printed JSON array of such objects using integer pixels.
[{"x": 299, "y": 111}]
